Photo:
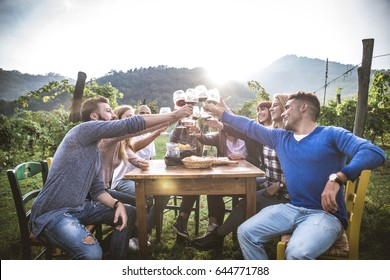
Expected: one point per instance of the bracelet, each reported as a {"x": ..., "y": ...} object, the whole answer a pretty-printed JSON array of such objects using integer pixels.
[{"x": 116, "y": 204}]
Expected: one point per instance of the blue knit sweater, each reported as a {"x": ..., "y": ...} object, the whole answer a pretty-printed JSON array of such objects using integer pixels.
[
  {"x": 76, "y": 170},
  {"x": 308, "y": 163}
]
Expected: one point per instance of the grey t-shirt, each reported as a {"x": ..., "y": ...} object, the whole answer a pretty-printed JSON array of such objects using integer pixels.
[{"x": 77, "y": 169}]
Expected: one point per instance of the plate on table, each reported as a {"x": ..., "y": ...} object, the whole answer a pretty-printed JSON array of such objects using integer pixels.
[{"x": 223, "y": 161}]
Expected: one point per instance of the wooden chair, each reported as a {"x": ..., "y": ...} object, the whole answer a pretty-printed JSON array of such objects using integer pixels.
[
  {"x": 23, "y": 197},
  {"x": 347, "y": 247}
]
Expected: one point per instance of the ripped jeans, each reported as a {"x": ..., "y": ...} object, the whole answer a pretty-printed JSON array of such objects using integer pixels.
[{"x": 69, "y": 234}]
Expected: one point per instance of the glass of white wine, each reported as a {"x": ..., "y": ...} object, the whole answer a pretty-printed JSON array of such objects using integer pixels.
[
  {"x": 191, "y": 97},
  {"x": 201, "y": 90},
  {"x": 213, "y": 96}
]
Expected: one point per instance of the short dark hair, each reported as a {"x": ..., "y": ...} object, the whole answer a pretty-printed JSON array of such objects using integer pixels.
[
  {"x": 90, "y": 105},
  {"x": 311, "y": 99}
]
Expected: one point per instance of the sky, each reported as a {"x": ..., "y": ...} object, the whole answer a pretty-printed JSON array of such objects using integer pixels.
[{"x": 230, "y": 38}]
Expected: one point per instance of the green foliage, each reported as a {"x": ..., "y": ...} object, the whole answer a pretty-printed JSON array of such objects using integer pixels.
[
  {"x": 93, "y": 89},
  {"x": 31, "y": 135},
  {"x": 261, "y": 93},
  {"x": 378, "y": 117},
  {"x": 47, "y": 92},
  {"x": 249, "y": 107}
]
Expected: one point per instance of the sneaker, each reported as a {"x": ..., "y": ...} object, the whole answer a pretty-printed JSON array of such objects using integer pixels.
[
  {"x": 181, "y": 227},
  {"x": 134, "y": 243},
  {"x": 209, "y": 241}
]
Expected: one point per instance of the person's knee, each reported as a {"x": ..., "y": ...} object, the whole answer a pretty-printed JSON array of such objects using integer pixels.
[
  {"x": 92, "y": 249},
  {"x": 243, "y": 230},
  {"x": 294, "y": 252}
]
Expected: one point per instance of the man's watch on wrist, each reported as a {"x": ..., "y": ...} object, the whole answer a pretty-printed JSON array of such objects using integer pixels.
[
  {"x": 335, "y": 178},
  {"x": 281, "y": 185}
]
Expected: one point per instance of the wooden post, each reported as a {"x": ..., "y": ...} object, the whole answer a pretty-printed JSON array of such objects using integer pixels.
[
  {"x": 77, "y": 97},
  {"x": 364, "y": 73}
]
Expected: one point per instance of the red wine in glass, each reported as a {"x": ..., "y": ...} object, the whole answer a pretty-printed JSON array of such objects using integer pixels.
[{"x": 180, "y": 103}]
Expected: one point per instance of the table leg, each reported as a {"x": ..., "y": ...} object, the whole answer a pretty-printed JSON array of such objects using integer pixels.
[
  {"x": 141, "y": 217},
  {"x": 250, "y": 197},
  {"x": 158, "y": 217}
]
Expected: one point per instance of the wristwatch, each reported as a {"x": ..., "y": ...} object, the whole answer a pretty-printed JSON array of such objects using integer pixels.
[
  {"x": 281, "y": 185},
  {"x": 335, "y": 178}
]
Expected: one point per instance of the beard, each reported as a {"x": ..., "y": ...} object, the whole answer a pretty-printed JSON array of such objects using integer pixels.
[{"x": 100, "y": 118}]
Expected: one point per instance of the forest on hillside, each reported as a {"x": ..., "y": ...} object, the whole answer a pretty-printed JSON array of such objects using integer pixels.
[{"x": 286, "y": 75}]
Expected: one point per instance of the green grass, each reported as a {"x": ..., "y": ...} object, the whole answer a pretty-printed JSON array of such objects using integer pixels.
[{"x": 374, "y": 242}]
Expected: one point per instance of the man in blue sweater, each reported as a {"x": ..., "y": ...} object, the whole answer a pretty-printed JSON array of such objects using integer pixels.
[
  {"x": 61, "y": 209},
  {"x": 313, "y": 160}
]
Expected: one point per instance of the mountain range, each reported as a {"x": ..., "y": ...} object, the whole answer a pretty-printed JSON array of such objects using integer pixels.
[{"x": 286, "y": 75}]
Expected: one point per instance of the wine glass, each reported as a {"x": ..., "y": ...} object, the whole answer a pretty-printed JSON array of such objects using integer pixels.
[
  {"x": 204, "y": 114},
  {"x": 191, "y": 96},
  {"x": 195, "y": 113},
  {"x": 165, "y": 110},
  {"x": 201, "y": 90},
  {"x": 213, "y": 96},
  {"x": 179, "y": 97}
]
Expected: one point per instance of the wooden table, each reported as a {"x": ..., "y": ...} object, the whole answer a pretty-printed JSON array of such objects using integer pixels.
[{"x": 177, "y": 180}]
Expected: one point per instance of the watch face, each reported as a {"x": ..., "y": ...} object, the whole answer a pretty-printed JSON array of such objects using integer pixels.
[{"x": 333, "y": 177}]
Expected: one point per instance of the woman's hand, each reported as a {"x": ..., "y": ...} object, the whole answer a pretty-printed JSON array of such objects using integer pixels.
[
  {"x": 143, "y": 164},
  {"x": 236, "y": 157}
]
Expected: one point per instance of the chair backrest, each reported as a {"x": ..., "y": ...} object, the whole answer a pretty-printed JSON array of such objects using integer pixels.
[
  {"x": 24, "y": 195},
  {"x": 49, "y": 160},
  {"x": 355, "y": 194}
]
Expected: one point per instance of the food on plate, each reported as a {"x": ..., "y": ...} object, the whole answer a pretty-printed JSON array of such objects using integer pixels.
[{"x": 184, "y": 146}]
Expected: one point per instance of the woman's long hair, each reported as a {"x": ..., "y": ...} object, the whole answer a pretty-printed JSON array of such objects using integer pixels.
[{"x": 123, "y": 145}]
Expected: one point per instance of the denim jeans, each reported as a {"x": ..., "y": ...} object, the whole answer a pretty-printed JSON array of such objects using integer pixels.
[
  {"x": 68, "y": 232},
  {"x": 238, "y": 214},
  {"x": 314, "y": 231}
]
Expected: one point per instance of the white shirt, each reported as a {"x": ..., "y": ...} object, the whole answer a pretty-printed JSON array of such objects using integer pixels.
[
  {"x": 236, "y": 148},
  {"x": 149, "y": 151}
]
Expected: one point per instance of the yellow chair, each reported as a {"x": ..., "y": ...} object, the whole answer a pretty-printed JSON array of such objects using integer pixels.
[
  {"x": 347, "y": 247},
  {"x": 49, "y": 160}
]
